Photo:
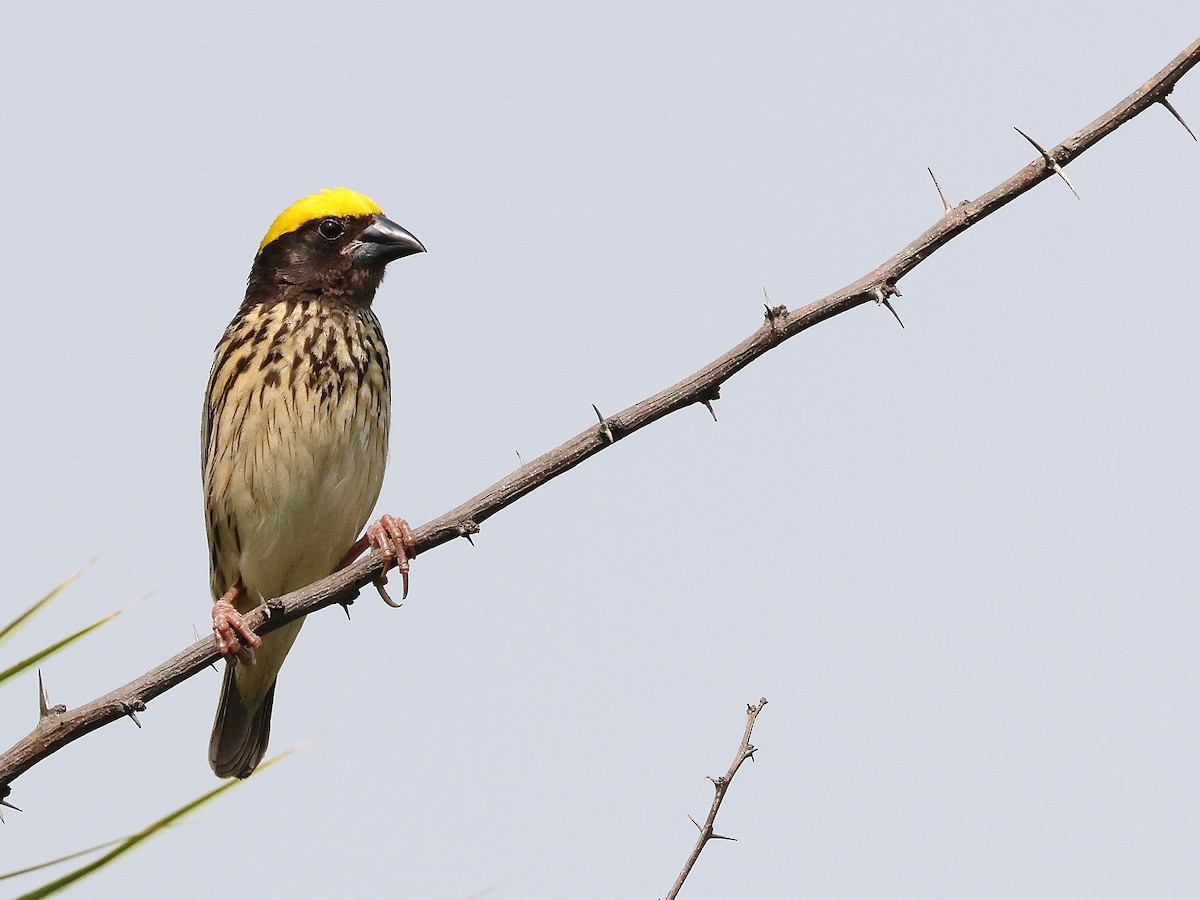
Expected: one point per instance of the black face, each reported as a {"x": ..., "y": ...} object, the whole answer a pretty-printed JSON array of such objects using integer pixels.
[
  {"x": 315, "y": 260},
  {"x": 321, "y": 241}
]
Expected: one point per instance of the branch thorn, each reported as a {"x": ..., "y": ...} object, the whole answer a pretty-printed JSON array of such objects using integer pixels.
[
  {"x": 44, "y": 708},
  {"x": 132, "y": 709},
  {"x": 5, "y": 790},
  {"x": 466, "y": 528},
  {"x": 772, "y": 313},
  {"x": 271, "y": 608},
  {"x": 708, "y": 405},
  {"x": 43, "y": 702},
  {"x": 1173, "y": 111},
  {"x": 945, "y": 205},
  {"x": 605, "y": 428},
  {"x": 881, "y": 293},
  {"x": 521, "y": 461},
  {"x": 693, "y": 821},
  {"x": 1051, "y": 162}
]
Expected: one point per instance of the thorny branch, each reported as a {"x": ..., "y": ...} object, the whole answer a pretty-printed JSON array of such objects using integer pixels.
[
  {"x": 745, "y": 751},
  {"x": 59, "y": 728}
]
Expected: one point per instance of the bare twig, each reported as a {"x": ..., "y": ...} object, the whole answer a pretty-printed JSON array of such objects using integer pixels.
[
  {"x": 778, "y": 325},
  {"x": 745, "y": 751}
]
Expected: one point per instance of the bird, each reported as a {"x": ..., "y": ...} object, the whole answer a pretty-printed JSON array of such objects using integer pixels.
[{"x": 294, "y": 441}]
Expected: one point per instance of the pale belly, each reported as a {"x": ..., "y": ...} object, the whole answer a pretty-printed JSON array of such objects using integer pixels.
[{"x": 299, "y": 500}]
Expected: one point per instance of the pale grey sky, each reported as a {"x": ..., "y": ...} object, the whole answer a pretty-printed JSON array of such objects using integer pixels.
[{"x": 959, "y": 559}]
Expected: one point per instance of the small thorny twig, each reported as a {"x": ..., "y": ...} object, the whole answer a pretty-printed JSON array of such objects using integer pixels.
[{"x": 745, "y": 751}]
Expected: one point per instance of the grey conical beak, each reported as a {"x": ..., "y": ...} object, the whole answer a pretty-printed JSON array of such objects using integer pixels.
[{"x": 383, "y": 241}]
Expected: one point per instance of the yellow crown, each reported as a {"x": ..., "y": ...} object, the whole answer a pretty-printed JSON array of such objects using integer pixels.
[{"x": 329, "y": 202}]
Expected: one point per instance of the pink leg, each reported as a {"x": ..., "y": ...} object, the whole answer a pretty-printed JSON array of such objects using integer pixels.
[
  {"x": 234, "y": 639},
  {"x": 392, "y": 540}
]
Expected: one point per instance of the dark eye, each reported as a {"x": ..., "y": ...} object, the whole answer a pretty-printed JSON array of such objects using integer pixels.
[{"x": 331, "y": 229}]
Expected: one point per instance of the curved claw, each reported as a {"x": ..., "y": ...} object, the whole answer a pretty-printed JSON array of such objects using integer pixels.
[
  {"x": 392, "y": 540},
  {"x": 383, "y": 594}
]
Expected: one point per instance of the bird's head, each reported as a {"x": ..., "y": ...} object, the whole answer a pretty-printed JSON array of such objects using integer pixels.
[{"x": 333, "y": 244}]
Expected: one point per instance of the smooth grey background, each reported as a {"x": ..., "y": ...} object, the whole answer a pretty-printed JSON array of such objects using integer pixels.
[{"x": 959, "y": 559}]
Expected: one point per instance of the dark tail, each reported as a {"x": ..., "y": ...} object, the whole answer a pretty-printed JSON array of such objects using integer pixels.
[{"x": 239, "y": 735}]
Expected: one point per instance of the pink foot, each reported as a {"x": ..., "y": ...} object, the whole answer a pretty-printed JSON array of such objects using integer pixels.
[
  {"x": 392, "y": 540},
  {"x": 235, "y": 641}
]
